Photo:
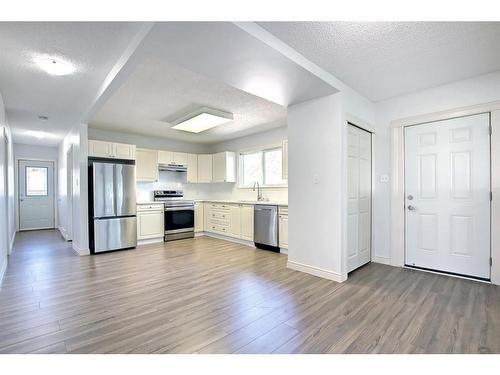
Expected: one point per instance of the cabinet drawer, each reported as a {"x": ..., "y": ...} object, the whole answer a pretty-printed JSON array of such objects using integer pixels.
[
  {"x": 220, "y": 215},
  {"x": 223, "y": 223},
  {"x": 218, "y": 206},
  {"x": 150, "y": 207},
  {"x": 283, "y": 210},
  {"x": 218, "y": 228}
]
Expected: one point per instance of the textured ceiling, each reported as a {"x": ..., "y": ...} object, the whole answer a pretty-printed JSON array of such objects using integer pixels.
[
  {"x": 29, "y": 92},
  {"x": 159, "y": 91},
  {"x": 385, "y": 59}
]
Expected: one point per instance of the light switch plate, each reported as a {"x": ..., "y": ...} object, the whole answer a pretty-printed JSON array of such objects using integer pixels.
[
  {"x": 384, "y": 178},
  {"x": 315, "y": 179}
]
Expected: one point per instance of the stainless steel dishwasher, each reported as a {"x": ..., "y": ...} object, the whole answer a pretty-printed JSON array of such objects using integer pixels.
[{"x": 265, "y": 221}]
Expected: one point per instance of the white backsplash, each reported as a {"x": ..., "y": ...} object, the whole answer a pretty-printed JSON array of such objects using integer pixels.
[{"x": 220, "y": 191}]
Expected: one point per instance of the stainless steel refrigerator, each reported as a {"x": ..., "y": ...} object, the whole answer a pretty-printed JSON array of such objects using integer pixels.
[{"x": 112, "y": 205}]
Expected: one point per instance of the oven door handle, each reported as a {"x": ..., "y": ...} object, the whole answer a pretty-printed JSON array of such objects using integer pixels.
[{"x": 188, "y": 208}]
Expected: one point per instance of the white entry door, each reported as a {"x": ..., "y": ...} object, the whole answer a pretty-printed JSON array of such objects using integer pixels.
[
  {"x": 447, "y": 188},
  {"x": 36, "y": 194},
  {"x": 359, "y": 180}
]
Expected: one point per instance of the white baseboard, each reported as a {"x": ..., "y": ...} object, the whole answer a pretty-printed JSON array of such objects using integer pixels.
[
  {"x": 227, "y": 238},
  {"x": 232, "y": 239},
  {"x": 150, "y": 241},
  {"x": 12, "y": 242},
  {"x": 63, "y": 232},
  {"x": 79, "y": 251},
  {"x": 3, "y": 270},
  {"x": 316, "y": 271},
  {"x": 381, "y": 260}
]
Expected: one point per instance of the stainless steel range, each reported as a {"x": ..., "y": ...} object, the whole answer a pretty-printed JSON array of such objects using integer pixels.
[{"x": 179, "y": 214}]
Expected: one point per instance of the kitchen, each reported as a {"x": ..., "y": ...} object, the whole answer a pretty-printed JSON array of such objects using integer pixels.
[{"x": 175, "y": 190}]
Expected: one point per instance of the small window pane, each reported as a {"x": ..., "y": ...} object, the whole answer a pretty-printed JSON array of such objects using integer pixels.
[
  {"x": 273, "y": 167},
  {"x": 36, "y": 181},
  {"x": 252, "y": 168}
]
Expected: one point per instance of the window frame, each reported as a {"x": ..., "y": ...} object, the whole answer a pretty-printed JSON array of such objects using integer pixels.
[
  {"x": 26, "y": 181},
  {"x": 262, "y": 150}
]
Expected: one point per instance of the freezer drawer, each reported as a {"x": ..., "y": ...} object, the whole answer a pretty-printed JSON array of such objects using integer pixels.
[{"x": 114, "y": 234}]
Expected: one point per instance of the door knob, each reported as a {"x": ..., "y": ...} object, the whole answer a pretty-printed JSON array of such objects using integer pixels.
[
  {"x": 412, "y": 208},
  {"x": 410, "y": 197}
]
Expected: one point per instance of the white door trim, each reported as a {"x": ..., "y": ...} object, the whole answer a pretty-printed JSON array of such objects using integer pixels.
[
  {"x": 397, "y": 181},
  {"x": 16, "y": 189},
  {"x": 352, "y": 120}
]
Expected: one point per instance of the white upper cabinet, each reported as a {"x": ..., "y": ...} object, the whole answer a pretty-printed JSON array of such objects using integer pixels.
[
  {"x": 224, "y": 167},
  {"x": 170, "y": 157},
  {"x": 205, "y": 168},
  {"x": 165, "y": 157},
  {"x": 192, "y": 168},
  {"x": 180, "y": 158},
  {"x": 103, "y": 149},
  {"x": 284, "y": 150},
  {"x": 146, "y": 165},
  {"x": 124, "y": 151}
]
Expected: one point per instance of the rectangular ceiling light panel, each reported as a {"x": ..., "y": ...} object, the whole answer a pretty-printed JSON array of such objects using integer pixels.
[{"x": 203, "y": 120}]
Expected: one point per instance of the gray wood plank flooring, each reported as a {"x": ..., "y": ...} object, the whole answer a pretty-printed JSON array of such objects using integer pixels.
[{"x": 206, "y": 295}]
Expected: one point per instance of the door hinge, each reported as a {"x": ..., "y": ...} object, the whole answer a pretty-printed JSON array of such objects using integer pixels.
[
  {"x": 491, "y": 261},
  {"x": 490, "y": 129},
  {"x": 491, "y": 196}
]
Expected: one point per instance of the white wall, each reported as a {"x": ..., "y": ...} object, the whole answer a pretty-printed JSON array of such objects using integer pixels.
[
  {"x": 76, "y": 138},
  {"x": 315, "y": 136},
  {"x": 7, "y": 227},
  {"x": 22, "y": 151},
  {"x": 478, "y": 90}
]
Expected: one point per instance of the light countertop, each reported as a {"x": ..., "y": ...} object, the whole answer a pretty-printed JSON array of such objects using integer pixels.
[{"x": 229, "y": 201}]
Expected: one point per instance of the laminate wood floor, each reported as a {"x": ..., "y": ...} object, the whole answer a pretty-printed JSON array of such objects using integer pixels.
[{"x": 205, "y": 295}]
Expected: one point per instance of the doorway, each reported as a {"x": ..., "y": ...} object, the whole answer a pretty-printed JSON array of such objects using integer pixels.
[
  {"x": 447, "y": 196},
  {"x": 359, "y": 197},
  {"x": 36, "y": 194}
]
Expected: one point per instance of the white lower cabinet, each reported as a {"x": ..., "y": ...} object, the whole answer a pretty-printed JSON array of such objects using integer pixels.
[
  {"x": 235, "y": 220},
  {"x": 199, "y": 217},
  {"x": 230, "y": 219},
  {"x": 246, "y": 214},
  {"x": 150, "y": 221},
  {"x": 283, "y": 227}
]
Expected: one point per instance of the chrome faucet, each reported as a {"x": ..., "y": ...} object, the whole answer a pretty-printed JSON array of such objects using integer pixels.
[{"x": 259, "y": 191}]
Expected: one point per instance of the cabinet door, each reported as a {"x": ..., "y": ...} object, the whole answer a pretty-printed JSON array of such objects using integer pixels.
[
  {"x": 204, "y": 168},
  {"x": 146, "y": 165},
  {"x": 283, "y": 231},
  {"x": 199, "y": 217},
  {"x": 165, "y": 157},
  {"x": 234, "y": 221},
  {"x": 192, "y": 168},
  {"x": 247, "y": 222},
  {"x": 124, "y": 151},
  {"x": 150, "y": 225},
  {"x": 284, "y": 159},
  {"x": 180, "y": 158},
  {"x": 219, "y": 167},
  {"x": 100, "y": 149}
]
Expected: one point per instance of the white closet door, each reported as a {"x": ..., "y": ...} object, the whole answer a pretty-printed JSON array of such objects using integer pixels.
[
  {"x": 359, "y": 176},
  {"x": 447, "y": 188}
]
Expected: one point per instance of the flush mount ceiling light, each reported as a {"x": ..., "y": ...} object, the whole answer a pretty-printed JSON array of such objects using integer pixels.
[
  {"x": 54, "y": 65},
  {"x": 201, "y": 120}
]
